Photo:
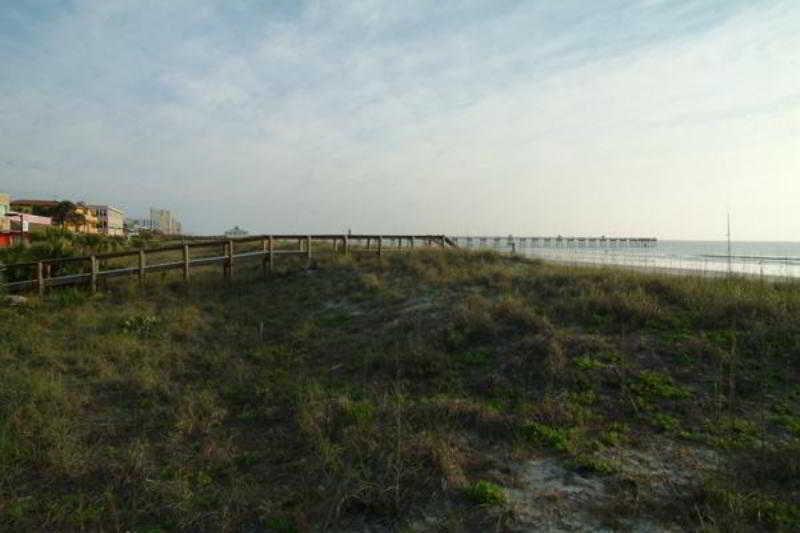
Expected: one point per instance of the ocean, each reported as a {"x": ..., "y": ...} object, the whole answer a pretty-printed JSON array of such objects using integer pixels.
[{"x": 767, "y": 259}]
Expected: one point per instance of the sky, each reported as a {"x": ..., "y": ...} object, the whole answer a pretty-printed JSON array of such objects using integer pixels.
[{"x": 472, "y": 117}]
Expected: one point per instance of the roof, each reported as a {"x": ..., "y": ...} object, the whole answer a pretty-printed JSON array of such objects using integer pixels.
[
  {"x": 101, "y": 206},
  {"x": 40, "y": 203}
]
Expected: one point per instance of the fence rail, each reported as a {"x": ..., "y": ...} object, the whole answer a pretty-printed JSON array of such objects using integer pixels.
[{"x": 40, "y": 270}]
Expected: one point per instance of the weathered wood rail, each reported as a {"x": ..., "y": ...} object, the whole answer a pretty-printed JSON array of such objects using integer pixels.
[{"x": 272, "y": 247}]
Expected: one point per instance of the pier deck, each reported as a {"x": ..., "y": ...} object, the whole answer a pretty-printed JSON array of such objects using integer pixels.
[{"x": 558, "y": 242}]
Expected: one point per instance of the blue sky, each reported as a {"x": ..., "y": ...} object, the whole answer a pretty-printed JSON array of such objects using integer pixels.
[{"x": 539, "y": 117}]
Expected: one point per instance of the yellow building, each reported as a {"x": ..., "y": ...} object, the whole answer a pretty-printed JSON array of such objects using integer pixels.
[
  {"x": 85, "y": 221},
  {"x": 5, "y": 207},
  {"x": 81, "y": 218}
]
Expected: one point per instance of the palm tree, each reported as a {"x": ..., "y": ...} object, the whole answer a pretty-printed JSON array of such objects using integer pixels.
[{"x": 61, "y": 212}]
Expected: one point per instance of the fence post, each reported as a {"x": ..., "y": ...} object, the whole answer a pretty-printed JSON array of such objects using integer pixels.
[
  {"x": 229, "y": 260},
  {"x": 40, "y": 277},
  {"x": 93, "y": 277},
  {"x": 411, "y": 240},
  {"x": 441, "y": 240},
  {"x": 231, "y": 252},
  {"x": 265, "y": 249},
  {"x": 369, "y": 243},
  {"x": 225, "y": 260},
  {"x": 186, "y": 263},
  {"x": 380, "y": 246},
  {"x": 271, "y": 253},
  {"x": 308, "y": 251},
  {"x": 346, "y": 241},
  {"x": 142, "y": 263}
]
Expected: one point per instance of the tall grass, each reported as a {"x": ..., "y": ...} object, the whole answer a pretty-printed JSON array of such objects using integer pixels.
[{"x": 380, "y": 392}]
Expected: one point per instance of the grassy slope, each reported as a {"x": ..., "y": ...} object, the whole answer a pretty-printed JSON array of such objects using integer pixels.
[{"x": 378, "y": 392}]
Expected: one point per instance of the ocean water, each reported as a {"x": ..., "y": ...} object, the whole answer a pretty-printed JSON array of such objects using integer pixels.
[{"x": 768, "y": 259}]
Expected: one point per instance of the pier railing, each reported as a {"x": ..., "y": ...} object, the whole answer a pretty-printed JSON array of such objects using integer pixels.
[
  {"x": 561, "y": 242},
  {"x": 267, "y": 248}
]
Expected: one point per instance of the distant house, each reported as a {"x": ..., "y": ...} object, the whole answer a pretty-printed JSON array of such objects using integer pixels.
[
  {"x": 34, "y": 207},
  {"x": 84, "y": 221},
  {"x": 81, "y": 218},
  {"x": 110, "y": 220},
  {"x": 25, "y": 222},
  {"x": 14, "y": 225},
  {"x": 236, "y": 232}
]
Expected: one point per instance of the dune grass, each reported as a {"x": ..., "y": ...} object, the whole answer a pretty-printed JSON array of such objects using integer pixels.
[{"x": 380, "y": 392}]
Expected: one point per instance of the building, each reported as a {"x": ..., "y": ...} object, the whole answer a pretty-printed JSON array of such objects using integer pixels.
[
  {"x": 5, "y": 207},
  {"x": 5, "y": 222},
  {"x": 16, "y": 226},
  {"x": 160, "y": 220},
  {"x": 77, "y": 217},
  {"x": 34, "y": 207},
  {"x": 164, "y": 222},
  {"x": 111, "y": 221},
  {"x": 236, "y": 232},
  {"x": 22, "y": 223},
  {"x": 85, "y": 220},
  {"x": 136, "y": 225}
]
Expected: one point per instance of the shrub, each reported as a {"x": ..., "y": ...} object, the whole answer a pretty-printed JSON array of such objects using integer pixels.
[
  {"x": 141, "y": 325},
  {"x": 517, "y": 313},
  {"x": 557, "y": 438},
  {"x": 587, "y": 362},
  {"x": 665, "y": 422},
  {"x": 652, "y": 383},
  {"x": 280, "y": 525},
  {"x": 371, "y": 282},
  {"x": 473, "y": 318},
  {"x": 627, "y": 308},
  {"x": 729, "y": 501},
  {"x": 593, "y": 465},
  {"x": 476, "y": 357},
  {"x": 68, "y": 297},
  {"x": 486, "y": 493},
  {"x": 56, "y": 243},
  {"x": 792, "y": 423}
]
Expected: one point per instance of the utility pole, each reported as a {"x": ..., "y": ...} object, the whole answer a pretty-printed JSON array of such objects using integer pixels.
[{"x": 730, "y": 271}]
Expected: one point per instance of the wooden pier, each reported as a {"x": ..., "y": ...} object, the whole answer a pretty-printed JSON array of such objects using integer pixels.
[
  {"x": 557, "y": 242},
  {"x": 88, "y": 270}
]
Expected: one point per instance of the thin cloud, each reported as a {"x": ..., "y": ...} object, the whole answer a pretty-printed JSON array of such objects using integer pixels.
[{"x": 490, "y": 117}]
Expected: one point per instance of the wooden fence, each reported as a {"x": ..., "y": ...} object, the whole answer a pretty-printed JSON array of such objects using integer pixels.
[{"x": 271, "y": 247}]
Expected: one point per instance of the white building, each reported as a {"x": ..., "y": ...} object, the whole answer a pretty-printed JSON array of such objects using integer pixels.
[
  {"x": 110, "y": 220},
  {"x": 236, "y": 232},
  {"x": 160, "y": 220},
  {"x": 165, "y": 222}
]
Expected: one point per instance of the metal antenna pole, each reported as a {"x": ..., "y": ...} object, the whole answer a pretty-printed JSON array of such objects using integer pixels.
[{"x": 729, "y": 244}]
